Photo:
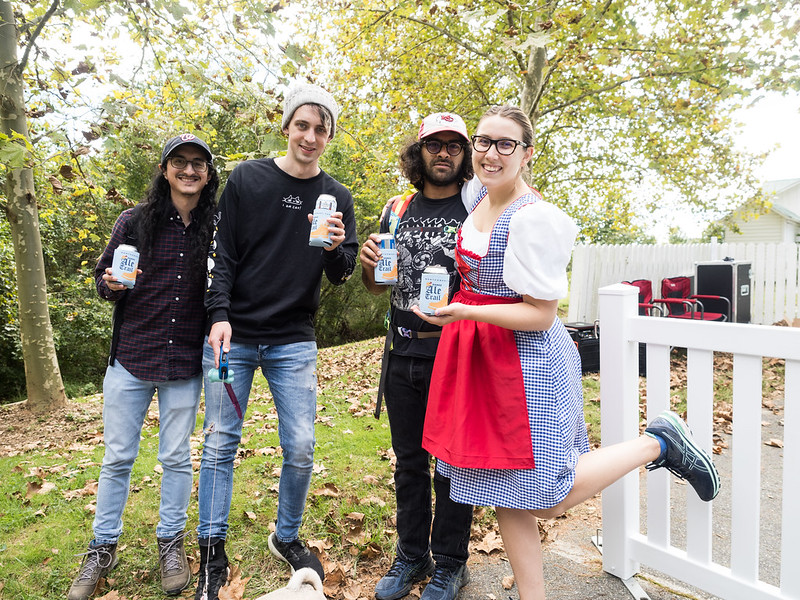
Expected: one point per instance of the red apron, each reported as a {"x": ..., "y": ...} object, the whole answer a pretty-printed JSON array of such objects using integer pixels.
[{"x": 477, "y": 415}]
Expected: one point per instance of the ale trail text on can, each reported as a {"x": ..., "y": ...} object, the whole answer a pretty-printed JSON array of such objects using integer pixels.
[
  {"x": 125, "y": 264},
  {"x": 434, "y": 289},
  {"x": 386, "y": 269},
  {"x": 320, "y": 236}
]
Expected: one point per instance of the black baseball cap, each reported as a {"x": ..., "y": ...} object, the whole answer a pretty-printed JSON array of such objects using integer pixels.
[{"x": 180, "y": 140}]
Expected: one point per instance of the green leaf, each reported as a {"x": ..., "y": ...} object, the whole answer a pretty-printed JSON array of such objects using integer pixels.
[
  {"x": 296, "y": 54},
  {"x": 12, "y": 154}
]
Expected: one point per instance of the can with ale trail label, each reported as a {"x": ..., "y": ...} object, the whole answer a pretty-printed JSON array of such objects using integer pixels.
[
  {"x": 434, "y": 289},
  {"x": 320, "y": 236},
  {"x": 125, "y": 264},
  {"x": 386, "y": 269}
]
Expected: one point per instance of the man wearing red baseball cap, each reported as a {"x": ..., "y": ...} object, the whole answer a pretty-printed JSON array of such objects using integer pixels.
[{"x": 424, "y": 225}]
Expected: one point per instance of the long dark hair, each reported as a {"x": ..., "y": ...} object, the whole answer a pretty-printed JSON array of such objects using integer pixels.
[
  {"x": 156, "y": 209},
  {"x": 413, "y": 169}
]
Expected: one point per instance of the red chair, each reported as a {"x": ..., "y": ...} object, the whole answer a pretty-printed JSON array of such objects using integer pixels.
[
  {"x": 677, "y": 296},
  {"x": 646, "y": 306}
]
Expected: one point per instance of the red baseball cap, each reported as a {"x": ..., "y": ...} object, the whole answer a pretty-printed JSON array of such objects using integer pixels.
[{"x": 442, "y": 122}]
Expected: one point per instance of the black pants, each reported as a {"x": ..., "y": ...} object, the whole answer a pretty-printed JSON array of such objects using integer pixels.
[{"x": 407, "y": 382}]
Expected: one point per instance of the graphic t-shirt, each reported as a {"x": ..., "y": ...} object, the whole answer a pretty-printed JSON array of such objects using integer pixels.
[{"x": 426, "y": 235}]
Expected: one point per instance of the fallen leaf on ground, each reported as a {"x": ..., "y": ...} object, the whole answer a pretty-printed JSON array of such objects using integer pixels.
[
  {"x": 319, "y": 546},
  {"x": 492, "y": 542},
  {"x": 234, "y": 589},
  {"x": 90, "y": 489},
  {"x": 356, "y": 517},
  {"x": 39, "y": 488},
  {"x": 372, "y": 500},
  {"x": 328, "y": 489}
]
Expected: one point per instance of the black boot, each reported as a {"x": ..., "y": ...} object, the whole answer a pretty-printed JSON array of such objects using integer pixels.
[{"x": 213, "y": 568}]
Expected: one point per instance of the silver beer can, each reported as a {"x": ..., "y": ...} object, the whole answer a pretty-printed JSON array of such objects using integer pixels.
[
  {"x": 386, "y": 269},
  {"x": 125, "y": 264},
  {"x": 434, "y": 289},
  {"x": 320, "y": 236}
]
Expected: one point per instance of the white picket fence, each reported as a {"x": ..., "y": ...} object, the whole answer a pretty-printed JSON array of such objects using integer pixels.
[
  {"x": 776, "y": 273},
  {"x": 625, "y": 546}
]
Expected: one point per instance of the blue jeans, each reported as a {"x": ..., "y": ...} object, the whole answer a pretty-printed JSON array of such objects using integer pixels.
[
  {"x": 125, "y": 402},
  {"x": 291, "y": 371},
  {"x": 407, "y": 381}
]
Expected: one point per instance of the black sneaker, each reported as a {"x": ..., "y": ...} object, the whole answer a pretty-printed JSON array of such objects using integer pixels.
[
  {"x": 97, "y": 562},
  {"x": 402, "y": 575},
  {"x": 213, "y": 569},
  {"x": 446, "y": 583},
  {"x": 683, "y": 458},
  {"x": 174, "y": 566},
  {"x": 295, "y": 554}
]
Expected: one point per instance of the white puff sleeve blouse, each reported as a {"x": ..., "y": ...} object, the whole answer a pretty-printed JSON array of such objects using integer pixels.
[{"x": 540, "y": 241}]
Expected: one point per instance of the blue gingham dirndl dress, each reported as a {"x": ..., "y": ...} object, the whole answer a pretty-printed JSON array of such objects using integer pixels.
[{"x": 552, "y": 379}]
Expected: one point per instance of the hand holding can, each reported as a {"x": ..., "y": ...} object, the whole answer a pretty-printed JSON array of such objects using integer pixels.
[
  {"x": 434, "y": 289},
  {"x": 386, "y": 269},
  {"x": 125, "y": 264},
  {"x": 320, "y": 236}
]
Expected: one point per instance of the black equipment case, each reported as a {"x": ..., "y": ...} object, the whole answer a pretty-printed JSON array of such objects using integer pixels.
[{"x": 587, "y": 338}]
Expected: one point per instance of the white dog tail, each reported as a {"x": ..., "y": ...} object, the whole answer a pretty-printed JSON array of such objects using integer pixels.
[{"x": 302, "y": 576}]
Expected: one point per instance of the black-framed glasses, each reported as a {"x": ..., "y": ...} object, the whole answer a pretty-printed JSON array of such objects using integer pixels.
[
  {"x": 178, "y": 162},
  {"x": 504, "y": 146},
  {"x": 435, "y": 146}
]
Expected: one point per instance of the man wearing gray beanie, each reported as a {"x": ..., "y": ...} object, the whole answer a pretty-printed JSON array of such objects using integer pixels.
[
  {"x": 305, "y": 93},
  {"x": 263, "y": 291}
]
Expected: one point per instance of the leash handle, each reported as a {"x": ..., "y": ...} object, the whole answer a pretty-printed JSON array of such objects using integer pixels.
[{"x": 223, "y": 373}]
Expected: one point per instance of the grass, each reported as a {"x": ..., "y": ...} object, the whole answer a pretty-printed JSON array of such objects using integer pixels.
[
  {"x": 349, "y": 513},
  {"x": 42, "y": 532}
]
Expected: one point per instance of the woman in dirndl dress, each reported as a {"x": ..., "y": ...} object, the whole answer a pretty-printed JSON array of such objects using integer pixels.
[{"x": 505, "y": 410}]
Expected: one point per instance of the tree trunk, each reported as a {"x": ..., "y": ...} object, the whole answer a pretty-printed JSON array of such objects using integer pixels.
[
  {"x": 533, "y": 80},
  {"x": 42, "y": 374}
]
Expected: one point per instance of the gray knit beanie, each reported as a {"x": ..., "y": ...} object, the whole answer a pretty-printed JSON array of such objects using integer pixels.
[{"x": 300, "y": 93}]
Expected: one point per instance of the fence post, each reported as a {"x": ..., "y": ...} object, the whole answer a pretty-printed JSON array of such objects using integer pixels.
[{"x": 619, "y": 421}]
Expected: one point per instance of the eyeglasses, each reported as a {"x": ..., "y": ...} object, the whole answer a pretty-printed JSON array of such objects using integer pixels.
[
  {"x": 504, "y": 146},
  {"x": 435, "y": 146},
  {"x": 180, "y": 163}
]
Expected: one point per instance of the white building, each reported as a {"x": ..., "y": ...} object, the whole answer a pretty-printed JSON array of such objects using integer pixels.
[{"x": 781, "y": 222}]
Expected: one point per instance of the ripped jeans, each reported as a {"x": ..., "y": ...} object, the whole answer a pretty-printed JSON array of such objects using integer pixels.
[{"x": 290, "y": 370}]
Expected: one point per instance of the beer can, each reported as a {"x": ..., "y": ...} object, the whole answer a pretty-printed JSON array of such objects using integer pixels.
[
  {"x": 434, "y": 289},
  {"x": 325, "y": 207},
  {"x": 386, "y": 269},
  {"x": 125, "y": 264}
]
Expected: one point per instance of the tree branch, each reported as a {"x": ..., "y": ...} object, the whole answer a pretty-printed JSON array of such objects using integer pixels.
[
  {"x": 617, "y": 84},
  {"x": 546, "y": 79},
  {"x": 459, "y": 42},
  {"x": 29, "y": 46}
]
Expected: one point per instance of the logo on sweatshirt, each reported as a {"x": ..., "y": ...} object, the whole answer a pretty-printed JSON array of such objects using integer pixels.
[{"x": 292, "y": 202}]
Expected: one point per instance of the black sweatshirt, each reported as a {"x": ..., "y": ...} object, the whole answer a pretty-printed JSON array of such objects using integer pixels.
[{"x": 263, "y": 276}]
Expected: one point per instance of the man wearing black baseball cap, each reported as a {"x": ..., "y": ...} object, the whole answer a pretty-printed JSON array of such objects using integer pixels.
[{"x": 157, "y": 343}]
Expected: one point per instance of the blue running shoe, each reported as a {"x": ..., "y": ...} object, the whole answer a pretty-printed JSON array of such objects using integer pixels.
[
  {"x": 400, "y": 578},
  {"x": 446, "y": 583},
  {"x": 682, "y": 457}
]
